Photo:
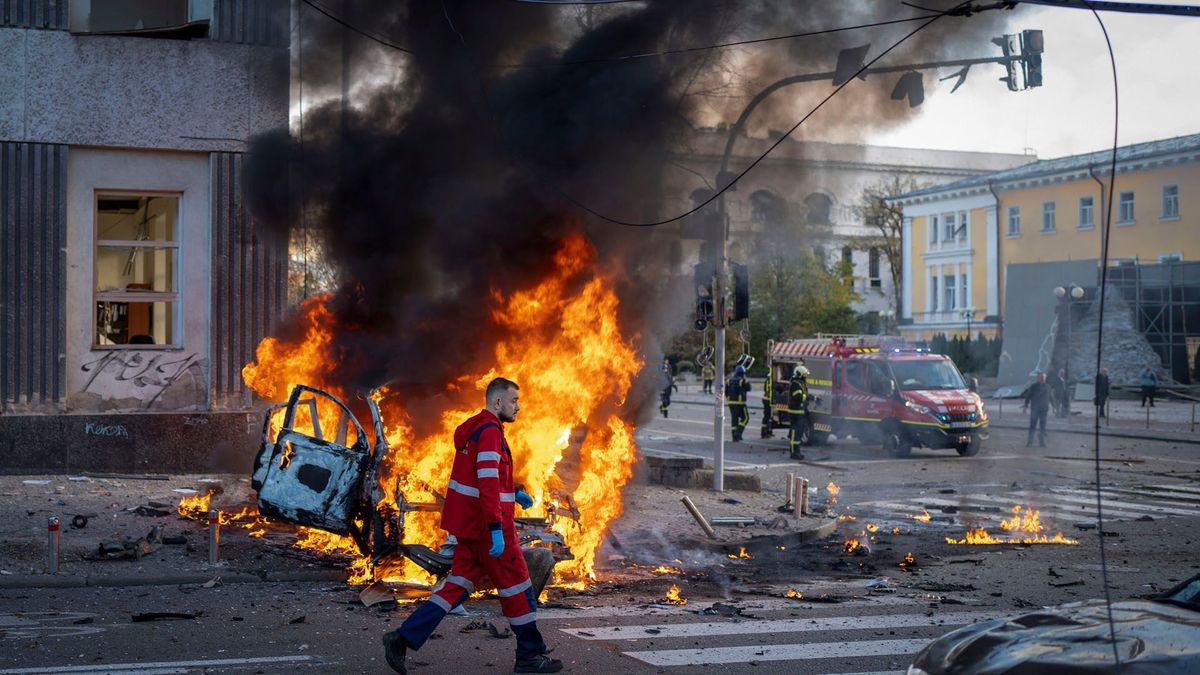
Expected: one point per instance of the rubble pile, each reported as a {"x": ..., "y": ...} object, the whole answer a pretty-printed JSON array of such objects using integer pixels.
[{"x": 1126, "y": 350}]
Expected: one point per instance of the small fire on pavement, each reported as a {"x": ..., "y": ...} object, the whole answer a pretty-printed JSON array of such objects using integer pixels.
[
  {"x": 740, "y": 555},
  {"x": 1024, "y": 521},
  {"x": 833, "y": 491},
  {"x": 667, "y": 569},
  {"x": 909, "y": 562},
  {"x": 196, "y": 507},
  {"x": 924, "y": 517},
  {"x": 793, "y": 593},
  {"x": 674, "y": 596}
]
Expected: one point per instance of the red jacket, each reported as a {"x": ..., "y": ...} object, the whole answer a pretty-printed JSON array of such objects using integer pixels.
[{"x": 480, "y": 496}]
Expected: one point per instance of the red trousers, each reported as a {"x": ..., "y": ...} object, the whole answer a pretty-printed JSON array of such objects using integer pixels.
[{"x": 470, "y": 565}]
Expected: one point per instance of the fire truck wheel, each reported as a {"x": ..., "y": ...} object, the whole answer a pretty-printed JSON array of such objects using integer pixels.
[
  {"x": 970, "y": 448},
  {"x": 896, "y": 442}
]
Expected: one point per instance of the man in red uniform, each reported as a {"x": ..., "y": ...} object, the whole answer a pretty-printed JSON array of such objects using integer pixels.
[{"x": 480, "y": 501}]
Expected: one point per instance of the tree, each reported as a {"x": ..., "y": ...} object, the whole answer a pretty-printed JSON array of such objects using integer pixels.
[
  {"x": 886, "y": 222},
  {"x": 798, "y": 297}
]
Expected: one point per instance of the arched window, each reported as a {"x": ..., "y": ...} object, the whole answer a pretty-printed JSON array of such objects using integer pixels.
[
  {"x": 818, "y": 208},
  {"x": 767, "y": 209}
]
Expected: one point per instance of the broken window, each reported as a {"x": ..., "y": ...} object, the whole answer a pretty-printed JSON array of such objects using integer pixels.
[
  {"x": 179, "y": 19},
  {"x": 136, "y": 270}
]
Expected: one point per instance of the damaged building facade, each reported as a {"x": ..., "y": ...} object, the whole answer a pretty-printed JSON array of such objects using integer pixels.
[
  {"x": 813, "y": 190},
  {"x": 133, "y": 284}
]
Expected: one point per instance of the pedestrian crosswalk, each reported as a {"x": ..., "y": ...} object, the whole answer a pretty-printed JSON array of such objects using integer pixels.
[
  {"x": 1061, "y": 505},
  {"x": 851, "y": 639}
]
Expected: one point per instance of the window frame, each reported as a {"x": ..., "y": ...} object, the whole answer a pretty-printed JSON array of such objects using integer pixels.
[
  {"x": 1164, "y": 215},
  {"x": 1049, "y": 217},
  {"x": 174, "y": 297},
  {"x": 1090, "y": 209},
  {"x": 1121, "y": 219},
  {"x": 950, "y": 291},
  {"x": 1014, "y": 217}
]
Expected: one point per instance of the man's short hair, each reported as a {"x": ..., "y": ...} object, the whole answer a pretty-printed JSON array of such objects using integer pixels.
[{"x": 499, "y": 386}]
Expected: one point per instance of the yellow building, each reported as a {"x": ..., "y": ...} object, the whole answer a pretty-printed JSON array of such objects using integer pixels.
[{"x": 960, "y": 238}]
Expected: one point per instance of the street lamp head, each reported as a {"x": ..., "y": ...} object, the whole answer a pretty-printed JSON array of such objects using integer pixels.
[
  {"x": 1076, "y": 292},
  {"x": 1060, "y": 292}
]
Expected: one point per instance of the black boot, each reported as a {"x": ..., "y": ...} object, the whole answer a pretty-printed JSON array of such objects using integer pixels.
[
  {"x": 394, "y": 650},
  {"x": 538, "y": 664}
]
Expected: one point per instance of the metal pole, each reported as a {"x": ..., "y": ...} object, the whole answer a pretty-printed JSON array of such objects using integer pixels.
[
  {"x": 1148, "y": 416},
  {"x": 691, "y": 507},
  {"x": 802, "y": 488},
  {"x": 214, "y": 537},
  {"x": 790, "y": 490},
  {"x": 52, "y": 542}
]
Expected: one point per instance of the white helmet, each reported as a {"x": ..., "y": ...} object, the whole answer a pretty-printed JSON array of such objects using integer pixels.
[{"x": 800, "y": 371}]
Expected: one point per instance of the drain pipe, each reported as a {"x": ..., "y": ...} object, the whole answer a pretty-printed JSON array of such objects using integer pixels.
[
  {"x": 1103, "y": 214},
  {"x": 999, "y": 264}
]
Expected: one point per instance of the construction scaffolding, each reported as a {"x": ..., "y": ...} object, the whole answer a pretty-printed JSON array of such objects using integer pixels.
[{"x": 1165, "y": 299}]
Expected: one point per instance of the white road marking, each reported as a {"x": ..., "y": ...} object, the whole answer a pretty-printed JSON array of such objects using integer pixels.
[
  {"x": 157, "y": 666},
  {"x": 817, "y": 650},
  {"x": 1089, "y": 499},
  {"x": 1045, "y": 502},
  {"x": 678, "y": 630},
  {"x": 1187, "y": 489}
]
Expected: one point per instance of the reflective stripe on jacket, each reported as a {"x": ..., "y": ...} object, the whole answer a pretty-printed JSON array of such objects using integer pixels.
[{"x": 480, "y": 495}]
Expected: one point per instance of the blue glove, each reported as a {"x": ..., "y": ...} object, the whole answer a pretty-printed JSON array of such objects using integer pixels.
[
  {"x": 524, "y": 499},
  {"x": 497, "y": 544}
]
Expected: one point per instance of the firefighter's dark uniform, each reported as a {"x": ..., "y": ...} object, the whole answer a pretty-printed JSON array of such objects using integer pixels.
[
  {"x": 797, "y": 413},
  {"x": 735, "y": 392},
  {"x": 664, "y": 396},
  {"x": 767, "y": 397}
]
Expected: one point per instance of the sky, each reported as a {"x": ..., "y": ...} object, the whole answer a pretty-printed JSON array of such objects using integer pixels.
[{"x": 1157, "y": 58}]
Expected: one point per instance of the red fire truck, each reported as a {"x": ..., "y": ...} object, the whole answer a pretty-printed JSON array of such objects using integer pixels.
[{"x": 879, "y": 389}]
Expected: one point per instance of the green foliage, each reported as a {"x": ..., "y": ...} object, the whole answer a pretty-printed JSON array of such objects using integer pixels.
[
  {"x": 979, "y": 356},
  {"x": 796, "y": 298}
]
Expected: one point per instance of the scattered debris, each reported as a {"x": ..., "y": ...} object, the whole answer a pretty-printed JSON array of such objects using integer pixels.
[
  {"x": 732, "y": 521},
  {"x": 909, "y": 563},
  {"x": 731, "y": 500},
  {"x": 881, "y": 585},
  {"x": 211, "y": 583},
  {"x": 165, "y": 616},
  {"x": 376, "y": 594},
  {"x": 184, "y": 491},
  {"x": 35, "y": 482},
  {"x": 299, "y": 619},
  {"x": 691, "y": 507},
  {"x": 1065, "y": 584},
  {"x": 151, "y": 512},
  {"x": 175, "y": 540},
  {"x": 721, "y": 609},
  {"x": 79, "y": 521},
  {"x": 78, "y": 479},
  {"x": 129, "y": 548},
  {"x": 488, "y": 626},
  {"x": 673, "y": 597}
]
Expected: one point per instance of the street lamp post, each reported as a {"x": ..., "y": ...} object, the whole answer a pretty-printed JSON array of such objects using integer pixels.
[
  {"x": 1066, "y": 296},
  {"x": 968, "y": 314}
]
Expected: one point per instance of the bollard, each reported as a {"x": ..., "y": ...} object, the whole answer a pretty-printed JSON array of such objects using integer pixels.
[
  {"x": 802, "y": 490},
  {"x": 1001, "y": 407},
  {"x": 214, "y": 537},
  {"x": 1193, "y": 418},
  {"x": 52, "y": 541},
  {"x": 790, "y": 490}
]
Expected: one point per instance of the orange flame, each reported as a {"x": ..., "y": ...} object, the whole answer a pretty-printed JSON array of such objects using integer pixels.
[
  {"x": 740, "y": 555},
  {"x": 793, "y": 593},
  {"x": 909, "y": 561},
  {"x": 674, "y": 596},
  {"x": 667, "y": 569},
  {"x": 924, "y": 517},
  {"x": 575, "y": 366},
  {"x": 1029, "y": 522}
]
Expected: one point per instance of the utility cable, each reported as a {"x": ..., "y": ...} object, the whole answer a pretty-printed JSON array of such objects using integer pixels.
[
  {"x": 349, "y": 26},
  {"x": 1112, "y": 180},
  {"x": 617, "y": 221}
]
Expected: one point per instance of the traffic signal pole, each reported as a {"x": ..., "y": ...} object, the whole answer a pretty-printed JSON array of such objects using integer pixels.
[{"x": 719, "y": 389}]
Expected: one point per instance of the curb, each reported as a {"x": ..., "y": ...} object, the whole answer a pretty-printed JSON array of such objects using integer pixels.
[
  {"x": 1109, "y": 432},
  {"x": 120, "y": 581}
]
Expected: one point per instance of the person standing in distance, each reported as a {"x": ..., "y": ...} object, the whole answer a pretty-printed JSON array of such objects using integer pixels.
[
  {"x": 735, "y": 393},
  {"x": 1037, "y": 399},
  {"x": 479, "y": 511}
]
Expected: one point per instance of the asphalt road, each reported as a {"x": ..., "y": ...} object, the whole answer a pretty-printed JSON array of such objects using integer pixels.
[{"x": 1151, "y": 500}]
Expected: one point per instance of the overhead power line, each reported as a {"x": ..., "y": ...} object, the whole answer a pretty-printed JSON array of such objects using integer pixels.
[{"x": 347, "y": 25}]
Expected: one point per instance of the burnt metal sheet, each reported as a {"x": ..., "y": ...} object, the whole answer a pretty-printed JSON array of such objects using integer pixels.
[
  {"x": 253, "y": 22},
  {"x": 1151, "y": 637},
  {"x": 33, "y": 230},
  {"x": 45, "y": 14},
  {"x": 249, "y": 279}
]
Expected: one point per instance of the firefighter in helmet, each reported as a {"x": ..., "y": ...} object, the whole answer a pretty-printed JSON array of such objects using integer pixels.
[
  {"x": 797, "y": 409},
  {"x": 667, "y": 384},
  {"x": 767, "y": 397},
  {"x": 735, "y": 391}
]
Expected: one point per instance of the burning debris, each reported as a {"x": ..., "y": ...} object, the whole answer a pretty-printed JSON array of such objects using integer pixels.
[
  {"x": 667, "y": 569},
  {"x": 793, "y": 593},
  {"x": 1024, "y": 521},
  {"x": 673, "y": 597},
  {"x": 740, "y": 555},
  {"x": 909, "y": 562},
  {"x": 923, "y": 518},
  {"x": 857, "y": 545}
]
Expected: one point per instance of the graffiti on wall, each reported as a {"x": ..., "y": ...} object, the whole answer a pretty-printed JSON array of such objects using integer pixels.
[{"x": 147, "y": 380}]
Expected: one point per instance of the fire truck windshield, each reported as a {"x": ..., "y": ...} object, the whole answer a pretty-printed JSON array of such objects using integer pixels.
[{"x": 927, "y": 374}]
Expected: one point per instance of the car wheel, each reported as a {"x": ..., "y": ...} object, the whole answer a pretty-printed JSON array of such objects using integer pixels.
[
  {"x": 896, "y": 442},
  {"x": 970, "y": 448}
]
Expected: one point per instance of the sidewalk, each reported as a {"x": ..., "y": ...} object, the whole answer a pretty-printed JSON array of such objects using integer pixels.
[
  {"x": 1169, "y": 420},
  {"x": 109, "y": 505}
]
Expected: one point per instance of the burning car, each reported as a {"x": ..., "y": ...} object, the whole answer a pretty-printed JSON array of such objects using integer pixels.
[
  {"x": 1161, "y": 635},
  {"x": 319, "y": 468}
]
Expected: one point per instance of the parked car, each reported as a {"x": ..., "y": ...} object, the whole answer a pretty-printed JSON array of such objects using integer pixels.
[{"x": 1160, "y": 635}]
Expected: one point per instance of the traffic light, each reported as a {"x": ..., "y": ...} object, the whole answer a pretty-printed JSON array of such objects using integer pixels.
[
  {"x": 911, "y": 86},
  {"x": 741, "y": 291},
  {"x": 1032, "y": 45},
  {"x": 1011, "y": 46},
  {"x": 849, "y": 62}
]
